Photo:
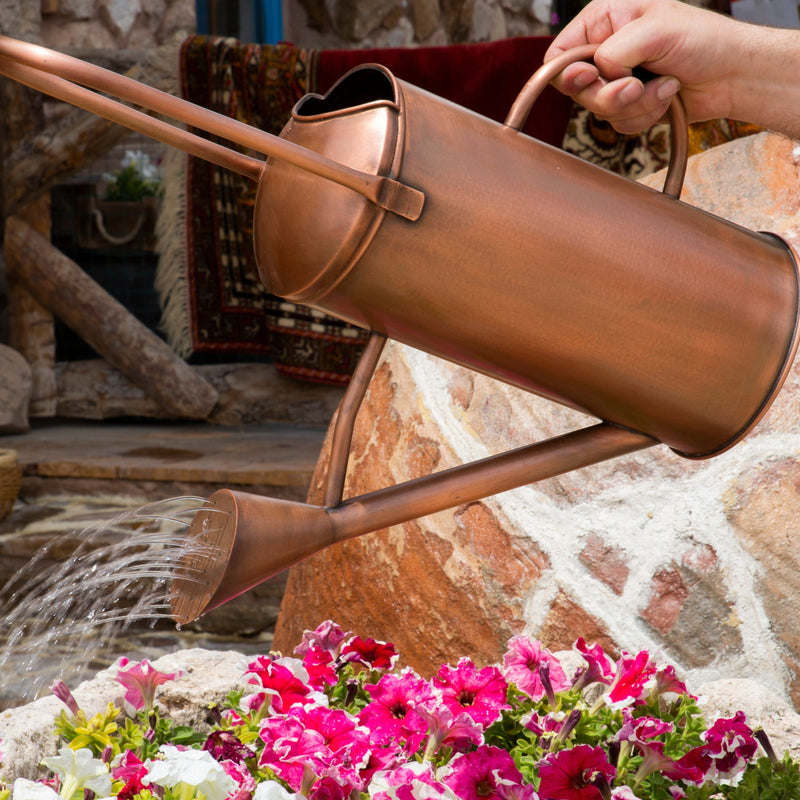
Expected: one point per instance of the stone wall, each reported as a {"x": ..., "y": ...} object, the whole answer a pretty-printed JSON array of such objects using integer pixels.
[
  {"x": 404, "y": 23},
  {"x": 115, "y": 24}
]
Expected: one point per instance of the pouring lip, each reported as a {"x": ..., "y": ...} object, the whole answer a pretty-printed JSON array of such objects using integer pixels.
[
  {"x": 392, "y": 101},
  {"x": 303, "y": 265}
]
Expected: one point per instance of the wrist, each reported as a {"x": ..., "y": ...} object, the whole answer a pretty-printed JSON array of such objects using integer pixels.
[{"x": 764, "y": 83}]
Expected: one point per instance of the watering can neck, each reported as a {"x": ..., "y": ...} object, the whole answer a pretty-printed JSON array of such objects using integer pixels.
[{"x": 309, "y": 232}]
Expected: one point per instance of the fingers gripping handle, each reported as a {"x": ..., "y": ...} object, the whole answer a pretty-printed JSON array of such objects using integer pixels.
[{"x": 677, "y": 113}]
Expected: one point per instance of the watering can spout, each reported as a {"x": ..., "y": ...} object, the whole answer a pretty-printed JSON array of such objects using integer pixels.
[{"x": 239, "y": 540}]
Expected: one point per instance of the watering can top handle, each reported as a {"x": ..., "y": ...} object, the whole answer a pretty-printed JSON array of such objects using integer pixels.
[{"x": 677, "y": 114}]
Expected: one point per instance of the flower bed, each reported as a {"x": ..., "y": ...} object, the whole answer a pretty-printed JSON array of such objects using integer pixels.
[{"x": 339, "y": 720}]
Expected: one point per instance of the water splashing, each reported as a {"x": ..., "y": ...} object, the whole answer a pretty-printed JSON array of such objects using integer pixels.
[{"x": 80, "y": 593}]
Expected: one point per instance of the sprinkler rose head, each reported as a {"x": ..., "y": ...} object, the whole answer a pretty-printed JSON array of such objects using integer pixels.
[{"x": 239, "y": 540}]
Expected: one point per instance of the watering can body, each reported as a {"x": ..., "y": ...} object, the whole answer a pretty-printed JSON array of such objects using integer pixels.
[
  {"x": 531, "y": 265},
  {"x": 426, "y": 223}
]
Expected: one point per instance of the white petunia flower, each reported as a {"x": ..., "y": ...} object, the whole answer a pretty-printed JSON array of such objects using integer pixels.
[
  {"x": 23, "y": 789},
  {"x": 196, "y": 768},
  {"x": 272, "y": 790},
  {"x": 79, "y": 770}
]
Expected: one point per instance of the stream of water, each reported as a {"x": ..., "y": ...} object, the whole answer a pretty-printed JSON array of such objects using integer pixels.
[{"x": 61, "y": 615}]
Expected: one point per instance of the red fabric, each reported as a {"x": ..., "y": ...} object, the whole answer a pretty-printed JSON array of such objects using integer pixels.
[{"x": 484, "y": 77}]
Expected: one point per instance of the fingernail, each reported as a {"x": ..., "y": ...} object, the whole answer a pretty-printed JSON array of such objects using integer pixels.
[
  {"x": 583, "y": 79},
  {"x": 631, "y": 92},
  {"x": 668, "y": 88}
]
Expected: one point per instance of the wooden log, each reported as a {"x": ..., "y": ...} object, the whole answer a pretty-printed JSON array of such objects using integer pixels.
[
  {"x": 31, "y": 326},
  {"x": 61, "y": 286}
]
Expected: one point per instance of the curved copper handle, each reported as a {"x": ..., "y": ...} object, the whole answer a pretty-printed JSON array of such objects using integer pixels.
[{"x": 677, "y": 113}]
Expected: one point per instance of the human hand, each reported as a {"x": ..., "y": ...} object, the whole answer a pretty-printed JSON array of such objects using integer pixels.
[{"x": 688, "y": 49}]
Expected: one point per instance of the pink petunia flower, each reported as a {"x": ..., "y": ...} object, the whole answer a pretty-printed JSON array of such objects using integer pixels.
[
  {"x": 599, "y": 667},
  {"x": 654, "y": 760},
  {"x": 310, "y": 743},
  {"x": 445, "y": 729},
  {"x": 480, "y": 693},
  {"x": 410, "y": 781},
  {"x": 730, "y": 745},
  {"x": 327, "y": 789},
  {"x": 633, "y": 673},
  {"x": 319, "y": 665},
  {"x": 623, "y": 792},
  {"x": 392, "y": 715},
  {"x": 521, "y": 666},
  {"x": 667, "y": 682},
  {"x": 140, "y": 679},
  {"x": 245, "y": 782},
  {"x": 279, "y": 682},
  {"x": 640, "y": 729},
  {"x": 572, "y": 774},
  {"x": 130, "y": 769},
  {"x": 328, "y": 636},
  {"x": 370, "y": 653},
  {"x": 488, "y": 773},
  {"x": 288, "y": 747}
]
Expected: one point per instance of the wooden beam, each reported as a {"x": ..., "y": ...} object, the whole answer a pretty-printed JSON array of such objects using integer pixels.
[
  {"x": 30, "y": 325},
  {"x": 61, "y": 286}
]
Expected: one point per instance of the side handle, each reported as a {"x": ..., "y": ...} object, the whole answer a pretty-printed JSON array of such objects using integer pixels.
[{"x": 521, "y": 108}]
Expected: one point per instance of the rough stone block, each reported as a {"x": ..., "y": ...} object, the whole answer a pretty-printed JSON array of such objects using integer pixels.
[{"x": 15, "y": 391}]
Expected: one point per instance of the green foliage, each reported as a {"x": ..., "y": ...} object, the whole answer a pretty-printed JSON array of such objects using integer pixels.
[
  {"x": 129, "y": 184},
  {"x": 767, "y": 780}
]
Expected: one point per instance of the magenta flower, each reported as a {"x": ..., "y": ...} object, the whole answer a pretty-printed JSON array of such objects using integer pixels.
[
  {"x": 667, "y": 682},
  {"x": 521, "y": 666},
  {"x": 131, "y": 770},
  {"x": 730, "y": 745},
  {"x": 141, "y": 679},
  {"x": 599, "y": 667},
  {"x": 226, "y": 746},
  {"x": 319, "y": 665},
  {"x": 328, "y": 636},
  {"x": 654, "y": 760},
  {"x": 327, "y": 789},
  {"x": 62, "y": 692},
  {"x": 285, "y": 689},
  {"x": 410, "y": 781},
  {"x": 640, "y": 729},
  {"x": 245, "y": 782},
  {"x": 445, "y": 729},
  {"x": 632, "y": 675},
  {"x": 370, "y": 653},
  {"x": 573, "y": 774},
  {"x": 488, "y": 773},
  {"x": 481, "y": 693},
  {"x": 315, "y": 742},
  {"x": 288, "y": 747},
  {"x": 392, "y": 715}
]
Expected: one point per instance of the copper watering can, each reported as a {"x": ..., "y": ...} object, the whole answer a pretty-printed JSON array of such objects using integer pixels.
[{"x": 424, "y": 222}]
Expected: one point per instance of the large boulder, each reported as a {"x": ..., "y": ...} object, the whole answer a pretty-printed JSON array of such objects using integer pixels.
[{"x": 695, "y": 559}]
